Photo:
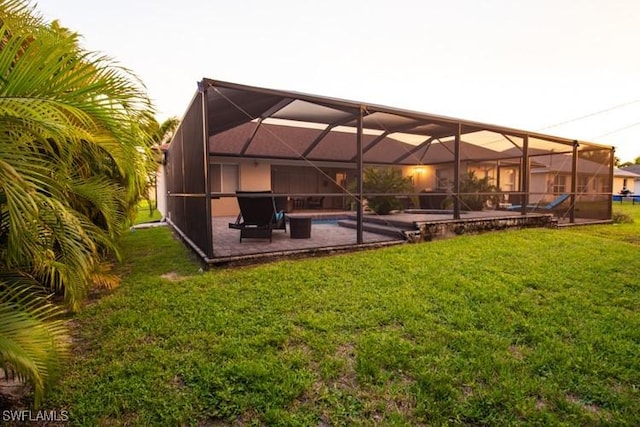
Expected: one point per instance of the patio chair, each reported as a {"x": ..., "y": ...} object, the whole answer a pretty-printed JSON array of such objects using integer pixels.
[
  {"x": 548, "y": 207},
  {"x": 315, "y": 202},
  {"x": 432, "y": 199},
  {"x": 258, "y": 216}
]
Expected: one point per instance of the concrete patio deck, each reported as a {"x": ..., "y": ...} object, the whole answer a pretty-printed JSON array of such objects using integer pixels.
[{"x": 326, "y": 236}]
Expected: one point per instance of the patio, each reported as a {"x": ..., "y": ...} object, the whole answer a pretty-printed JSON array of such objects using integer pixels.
[
  {"x": 325, "y": 237},
  {"x": 335, "y": 231}
]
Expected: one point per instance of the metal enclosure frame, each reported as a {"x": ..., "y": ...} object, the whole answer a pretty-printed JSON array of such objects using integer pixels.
[{"x": 218, "y": 109}]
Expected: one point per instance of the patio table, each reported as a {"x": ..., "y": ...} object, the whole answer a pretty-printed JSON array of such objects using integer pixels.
[{"x": 299, "y": 226}]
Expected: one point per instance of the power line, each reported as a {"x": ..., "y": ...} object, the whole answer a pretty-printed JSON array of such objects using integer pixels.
[
  {"x": 606, "y": 110},
  {"x": 617, "y": 130}
]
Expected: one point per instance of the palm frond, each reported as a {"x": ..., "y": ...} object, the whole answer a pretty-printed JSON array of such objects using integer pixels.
[
  {"x": 32, "y": 341},
  {"x": 103, "y": 277},
  {"x": 73, "y": 162}
]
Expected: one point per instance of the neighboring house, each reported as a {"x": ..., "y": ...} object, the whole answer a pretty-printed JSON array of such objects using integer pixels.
[
  {"x": 552, "y": 175},
  {"x": 629, "y": 177}
]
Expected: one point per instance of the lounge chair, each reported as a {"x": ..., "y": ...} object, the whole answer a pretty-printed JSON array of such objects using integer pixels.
[
  {"x": 548, "y": 207},
  {"x": 258, "y": 216}
]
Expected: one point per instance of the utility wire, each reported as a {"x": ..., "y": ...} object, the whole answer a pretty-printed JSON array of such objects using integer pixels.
[
  {"x": 606, "y": 110},
  {"x": 617, "y": 130}
]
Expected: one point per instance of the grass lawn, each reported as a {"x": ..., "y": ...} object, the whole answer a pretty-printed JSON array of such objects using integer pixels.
[
  {"x": 530, "y": 327},
  {"x": 143, "y": 215}
]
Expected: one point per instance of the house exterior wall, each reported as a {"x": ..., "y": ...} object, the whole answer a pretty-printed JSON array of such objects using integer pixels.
[
  {"x": 482, "y": 171},
  {"x": 225, "y": 206},
  {"x": 161, "y": 190},
  {"x": 424, "y": 177},
  {"x": 252, "y": 176},
  {"x": 255, "y": 175},
  {"x": 618, "y": 184},
  {"x": 538, "y": 185}
]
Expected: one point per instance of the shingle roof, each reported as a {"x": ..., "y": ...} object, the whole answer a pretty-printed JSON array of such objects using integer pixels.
[
  {"x": 633, "y": 169},
  {"x": 627, "y": 172}
]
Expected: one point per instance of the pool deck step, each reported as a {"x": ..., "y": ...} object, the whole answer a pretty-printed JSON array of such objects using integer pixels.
[
  {"x": 392, "y": 230},
  {"x": 386, "y": 220}
]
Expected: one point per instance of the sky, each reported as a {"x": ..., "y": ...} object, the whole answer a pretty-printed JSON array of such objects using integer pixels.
[{"x": 563, "y": 67}]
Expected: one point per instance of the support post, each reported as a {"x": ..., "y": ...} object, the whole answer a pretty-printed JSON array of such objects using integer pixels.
[
  {"x": 612, "y": 161},
  {"x": 205, "y": 155},
  {"x": 525, "y": 178},
  {"x": 360, "y": 168},
  {"x": 456, "y": 173},
  {"x": 574, "y": 182}
]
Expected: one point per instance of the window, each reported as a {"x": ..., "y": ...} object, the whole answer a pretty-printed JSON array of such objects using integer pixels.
[
  {"x": 223, "y": 178},
  {"x": 508, "y": 179},
  {"x": 559, "y": 184},
  {"x": 583, "y": 184},
  {"x": 443, "y": 178}
]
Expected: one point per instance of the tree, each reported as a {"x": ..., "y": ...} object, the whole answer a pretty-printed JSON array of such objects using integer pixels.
[
  {"x": 73, "y": 146},
  {"x": 165, "y": 131},
  {"x": 625, "y": 164}
]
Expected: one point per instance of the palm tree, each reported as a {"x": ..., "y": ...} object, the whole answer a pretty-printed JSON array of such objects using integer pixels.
[
  {"x": 164, "y": 132},
  {"x": 160, "y": 134},
  {"x": 384, "y": 180},
  {"x": 72, "y": 128}
]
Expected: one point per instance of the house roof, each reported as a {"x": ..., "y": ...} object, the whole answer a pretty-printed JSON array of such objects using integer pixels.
[
  {"x": 589, "y": 162},
  {"x": 287, "y": 142},
  {"x": 627, "y": 172},
  {"x": 246, "y": 121},
  {"x": 635, "y": 169}
]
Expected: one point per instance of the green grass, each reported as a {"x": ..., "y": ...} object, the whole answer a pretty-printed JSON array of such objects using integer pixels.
[
  {"x": 530, "y": 327},
  {"x": 143, "y": 215}
]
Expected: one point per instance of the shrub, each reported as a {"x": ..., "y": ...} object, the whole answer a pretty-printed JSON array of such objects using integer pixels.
[
  {"x": 621, "y": 218},
  {"x": 476, "y": 192},
  {"x": 386, "y": 180}
]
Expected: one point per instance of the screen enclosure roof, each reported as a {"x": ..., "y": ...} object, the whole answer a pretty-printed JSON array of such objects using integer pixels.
[{"x": 247, "y": 121}]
